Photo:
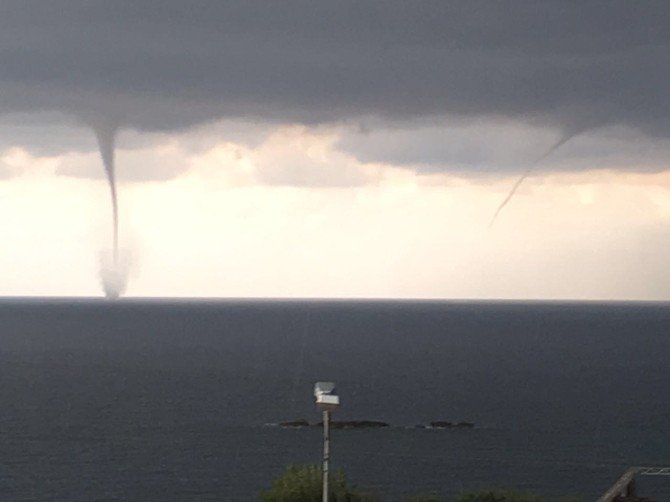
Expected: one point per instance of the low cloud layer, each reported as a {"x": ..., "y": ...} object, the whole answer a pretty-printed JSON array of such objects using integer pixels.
[
  {"x": 167, "y": 65},
  {"x": 289, "y": 156},
  {"x": 480, "y": 147}
]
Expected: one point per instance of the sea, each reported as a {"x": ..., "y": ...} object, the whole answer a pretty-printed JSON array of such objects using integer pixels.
[{"x": 171, "y": 400}]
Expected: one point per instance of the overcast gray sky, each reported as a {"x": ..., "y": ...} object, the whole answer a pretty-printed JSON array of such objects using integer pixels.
[
  {"x": 164, "y": 64},
  {"x": 340, "y": 108}
]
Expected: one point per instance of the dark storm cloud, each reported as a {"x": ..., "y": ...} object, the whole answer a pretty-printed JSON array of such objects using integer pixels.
[{"x": 168, "y": 64}]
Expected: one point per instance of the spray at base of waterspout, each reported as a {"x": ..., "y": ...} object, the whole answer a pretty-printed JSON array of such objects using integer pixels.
[{"x": 114, "y": 272}]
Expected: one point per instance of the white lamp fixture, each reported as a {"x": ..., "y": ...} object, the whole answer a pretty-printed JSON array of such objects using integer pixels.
[{"x": 326, "y": 398}]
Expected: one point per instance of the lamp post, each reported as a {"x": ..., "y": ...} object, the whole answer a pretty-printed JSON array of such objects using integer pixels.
[{"x": 327, "y": 401}]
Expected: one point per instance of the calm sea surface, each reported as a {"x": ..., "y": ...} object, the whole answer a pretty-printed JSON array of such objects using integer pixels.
[{"x": 171, "y": 400}]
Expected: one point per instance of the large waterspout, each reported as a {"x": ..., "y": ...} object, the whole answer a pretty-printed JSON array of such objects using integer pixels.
[{"x": 114, "y": 271}]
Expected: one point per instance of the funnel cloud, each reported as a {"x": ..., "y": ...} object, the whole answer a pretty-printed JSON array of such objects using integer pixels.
[{"x": 567, "y": 136}]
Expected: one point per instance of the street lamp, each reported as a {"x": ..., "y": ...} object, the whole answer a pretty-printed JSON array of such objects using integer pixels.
[{"x": 327, "y": 401}]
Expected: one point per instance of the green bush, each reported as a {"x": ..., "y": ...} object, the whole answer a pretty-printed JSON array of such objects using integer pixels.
[
  {"x": 501, "y": 496},
  {"x": 304, "y": 484},
  {"x": 486, "y": 496}
]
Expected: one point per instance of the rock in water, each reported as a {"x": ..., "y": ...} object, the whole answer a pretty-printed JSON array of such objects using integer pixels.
[{"x": 294, "y": 423}]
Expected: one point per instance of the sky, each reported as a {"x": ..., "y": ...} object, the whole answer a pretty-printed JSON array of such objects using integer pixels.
[{"x": 337, "y": 149}]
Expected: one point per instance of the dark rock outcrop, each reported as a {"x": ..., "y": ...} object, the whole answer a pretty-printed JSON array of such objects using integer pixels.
[
  {"x": 466, "y": 425},
  {"x": 355, "y": 424},
  {"x": 294, "y": 424},
  {"x": 451, "y": 425}
]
